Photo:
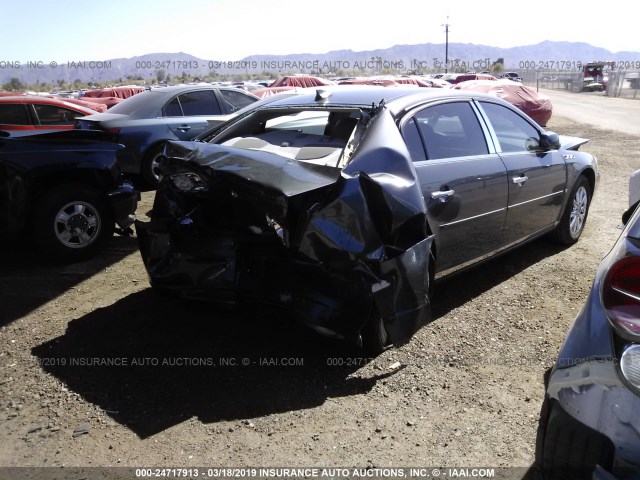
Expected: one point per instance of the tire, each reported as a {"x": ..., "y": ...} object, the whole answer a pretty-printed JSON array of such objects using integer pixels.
[
  {"x": 151, "y": 167},
  {"x": 575, "y": 213},
  {"x": 166, "y": 293},
  {"x": 72, "y": 222},
  {"x": 571, "y": 449},
  {"x": 375, "y": 338}
]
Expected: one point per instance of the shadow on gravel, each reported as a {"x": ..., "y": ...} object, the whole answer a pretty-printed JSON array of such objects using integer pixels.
[
  {"x": 28, "y": 280},
  {"x": 456, "y": 290},
  {"x": 172, "y": 360}
]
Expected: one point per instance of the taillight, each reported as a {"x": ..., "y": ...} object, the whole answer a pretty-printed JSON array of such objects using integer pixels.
[
  {"x": 113, "y": 131},
  {"x": 621, "y": 295}
]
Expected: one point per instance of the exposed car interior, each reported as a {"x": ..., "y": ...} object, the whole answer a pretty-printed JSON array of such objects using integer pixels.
[{"x": 311, "y": 136}]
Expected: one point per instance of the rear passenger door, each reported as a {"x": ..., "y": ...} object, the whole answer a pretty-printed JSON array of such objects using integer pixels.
[
  {"x": 537, "y": 179},
  {"x": 463, "y": 181},
  {"x": 187, "y": 114}
]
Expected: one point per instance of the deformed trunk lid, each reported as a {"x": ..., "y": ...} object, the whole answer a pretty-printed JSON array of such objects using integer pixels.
[
  {"x": 263, "y": 176},
  {"x": 356, "y": 243}
]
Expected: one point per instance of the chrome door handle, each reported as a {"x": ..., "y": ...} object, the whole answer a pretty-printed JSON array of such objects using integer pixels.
[
  {"x": 520, "y": 180},
  {"x": 442, "y": 195},
  {"x": 184, "y": 128}
]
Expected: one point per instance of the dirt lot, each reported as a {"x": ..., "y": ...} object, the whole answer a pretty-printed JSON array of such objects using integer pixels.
[{"x": 196, "y": 386}]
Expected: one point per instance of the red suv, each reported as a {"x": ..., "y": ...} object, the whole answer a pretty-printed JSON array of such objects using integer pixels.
[{"x": 26, "y": 115}]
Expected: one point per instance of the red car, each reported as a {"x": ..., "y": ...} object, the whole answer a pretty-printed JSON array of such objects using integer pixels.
[
  {"x": 534, "y": 104},
  {"x": 26, "y": 115},
  {"x": 473, "y": 76}
]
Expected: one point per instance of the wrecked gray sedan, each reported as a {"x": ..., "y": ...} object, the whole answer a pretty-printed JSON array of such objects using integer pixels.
[{"x": 342, "y": 205}]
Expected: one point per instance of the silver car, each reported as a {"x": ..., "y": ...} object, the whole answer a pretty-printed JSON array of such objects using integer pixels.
[{"x": 142, "y": 123}]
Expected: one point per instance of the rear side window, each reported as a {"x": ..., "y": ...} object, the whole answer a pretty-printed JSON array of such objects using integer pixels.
[
  {"x": 451, "y": 130},
  {"x": 199, "y": 103},
  {"x": 14, "y": 114},
  {"x": 52, "y": 115},
  {"x": 172, "y": 109},
  {"x": 236, "y": 100}
]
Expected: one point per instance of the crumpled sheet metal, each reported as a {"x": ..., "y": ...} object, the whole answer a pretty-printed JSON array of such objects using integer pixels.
[{"x": 356, "y": 241}]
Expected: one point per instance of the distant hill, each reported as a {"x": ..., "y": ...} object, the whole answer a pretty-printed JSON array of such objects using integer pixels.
[{"x": 544, "y": 55}]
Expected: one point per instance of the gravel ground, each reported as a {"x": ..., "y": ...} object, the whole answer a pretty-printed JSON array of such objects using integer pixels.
[{"x": 192, "y": 385}]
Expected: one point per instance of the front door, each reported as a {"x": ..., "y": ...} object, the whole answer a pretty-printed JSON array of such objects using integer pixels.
[{"x": 537, "y": 179}]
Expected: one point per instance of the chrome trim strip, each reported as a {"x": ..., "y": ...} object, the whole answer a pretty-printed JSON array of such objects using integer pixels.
[
  {"x": 444, "y": 225},
  {"x": 489, "y": 135},
  {"x": 536, "y": 199},
  {"x": 464, "y": 265},
  {"x": 489, "y": 127}
]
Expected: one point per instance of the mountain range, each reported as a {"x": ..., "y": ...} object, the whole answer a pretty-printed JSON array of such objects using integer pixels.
[{"x": 546, "y": 55}]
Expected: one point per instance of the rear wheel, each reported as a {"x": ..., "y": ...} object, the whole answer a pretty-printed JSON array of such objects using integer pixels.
[
  {"x": 72, "y": 222},
  {"x": 571, "y": 449},
  {"x": 575, "y": 213},
  {"x": 375, "y": 338},
  {"x": 151, "y": 167}
]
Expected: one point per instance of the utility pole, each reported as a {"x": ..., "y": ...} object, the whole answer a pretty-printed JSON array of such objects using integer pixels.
[{"x": 446, "y": 46}]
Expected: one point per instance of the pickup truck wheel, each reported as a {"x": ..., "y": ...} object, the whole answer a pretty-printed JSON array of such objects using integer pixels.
[
  {"x": 575, "y": 213},
  {"x": 72, "y": 223}
]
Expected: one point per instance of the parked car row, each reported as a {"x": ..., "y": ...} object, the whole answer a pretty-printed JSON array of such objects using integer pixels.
[
  {"x": 534, "y": 104},
  {"x": 341, "y": 206},
  {"x": 64, "y": 188}
]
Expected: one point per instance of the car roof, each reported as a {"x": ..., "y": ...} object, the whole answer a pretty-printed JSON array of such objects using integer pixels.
[
  {"x": 149, "y": 104},
  {"x": 175, "y": 89},
  {"x": 397, "y": 99}
]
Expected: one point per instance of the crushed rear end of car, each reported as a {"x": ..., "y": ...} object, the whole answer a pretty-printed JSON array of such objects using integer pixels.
[{"x": 330, "y": 246}]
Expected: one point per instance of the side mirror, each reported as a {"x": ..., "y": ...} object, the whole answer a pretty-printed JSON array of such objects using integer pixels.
[{"x": 549, "y": 141}]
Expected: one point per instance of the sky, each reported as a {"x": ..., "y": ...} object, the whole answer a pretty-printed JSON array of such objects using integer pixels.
[{"x": 227, "y": 30}]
